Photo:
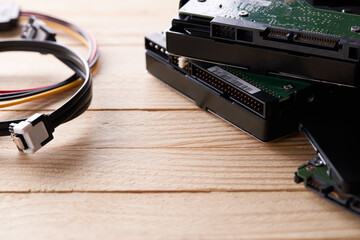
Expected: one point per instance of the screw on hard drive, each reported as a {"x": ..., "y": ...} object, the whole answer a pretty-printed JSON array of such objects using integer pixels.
[
  {"x": 355, "y": 29},
  {"x": 243, "y": 13},
  {"x": 316, "y": 162},
  {"x": 288, "y": 87},
  {"x": 311, "y": 168}
]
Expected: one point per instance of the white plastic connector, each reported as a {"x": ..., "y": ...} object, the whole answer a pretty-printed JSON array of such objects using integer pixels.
[
  {"x": 32, "y": 134},
  {"x": 183, "y": 62},
  {"x": 36, "y": 29}
]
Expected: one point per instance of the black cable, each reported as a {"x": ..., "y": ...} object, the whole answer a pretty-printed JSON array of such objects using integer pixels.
[
  {"x": 4, "y": 126},
  {"x": 79, "y": 102},
  {"x": 76, "y": 108},
  {"x": 93, "y": 55},
  {"x": 32, "y": 133},
  {"x": 18, "y": 95}
]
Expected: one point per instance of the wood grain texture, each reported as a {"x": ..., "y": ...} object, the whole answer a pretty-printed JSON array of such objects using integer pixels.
[
  {"x": 155, "y": 170},
  {"x": 173, "y": 216},
  {"x": 152, "y": 129},
  {"x": 144, "y": 162},
  {"x": 112, "y": 22}
]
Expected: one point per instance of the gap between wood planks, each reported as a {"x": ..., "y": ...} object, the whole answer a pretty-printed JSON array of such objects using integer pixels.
[
  {"x": 160, "y": 191},
  {"x": 118, "y": 110}
]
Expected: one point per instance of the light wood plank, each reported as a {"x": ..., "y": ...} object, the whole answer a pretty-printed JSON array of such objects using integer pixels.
[
  {"x": 120, "y": 9},
  {"x": 114, "y": 61},
  {"x": 152, "y": 170},
  {"x": 142, "y": 150},
  {"x": 174, "y": 216},
  {"x": 112, "y": 23},
  {"x": 151, "y": 129}
]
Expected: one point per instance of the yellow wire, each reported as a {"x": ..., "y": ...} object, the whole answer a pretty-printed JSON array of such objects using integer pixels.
[
  {"x": 44, "y": 94},
  {"x": 60, "y": 89},
  {"x": 50, "y": 92}
]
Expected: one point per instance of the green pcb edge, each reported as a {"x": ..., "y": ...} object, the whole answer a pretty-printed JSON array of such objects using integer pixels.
[
  {"x": 280, "y": 87},
  {"x": 291, "y": 14}
]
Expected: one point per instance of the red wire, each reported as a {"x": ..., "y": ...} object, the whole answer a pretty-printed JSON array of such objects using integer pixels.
[{"x": 41, "y": 16}]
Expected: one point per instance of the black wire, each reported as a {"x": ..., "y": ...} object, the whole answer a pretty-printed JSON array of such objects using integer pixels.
[
  {"x": 4, "y": 126},
  {"x": 79, "y": 102},
  {"x": 92, "y": 62},
  {"x": 18, "y": 95},
  {"x": 80, "y": 110},
  {"x": 13, "y": 96},
  {"x": 75, "y": 108}
]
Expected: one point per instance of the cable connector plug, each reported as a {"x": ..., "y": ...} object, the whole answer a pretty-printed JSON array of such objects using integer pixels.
[
  {"x": 32, "y": 134},
  {"x": 36, "y": 29}
]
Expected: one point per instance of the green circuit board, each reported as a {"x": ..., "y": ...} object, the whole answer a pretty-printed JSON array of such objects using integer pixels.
[
  {"x": 317, "y": 179},
  {"x": 292, "y": 14},
  {"x": 280, "y": 87},
  {"x": 307, "y": 171}
]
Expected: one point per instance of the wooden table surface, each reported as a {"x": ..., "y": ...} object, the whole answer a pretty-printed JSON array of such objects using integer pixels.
[{"x": 144, "y": 162}]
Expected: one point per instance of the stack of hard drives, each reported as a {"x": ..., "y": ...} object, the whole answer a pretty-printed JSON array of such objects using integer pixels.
[{"x": 273, "y": 68}]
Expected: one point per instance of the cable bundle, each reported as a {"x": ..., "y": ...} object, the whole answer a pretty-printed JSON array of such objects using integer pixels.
[{"x": 38, "y": 36}]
